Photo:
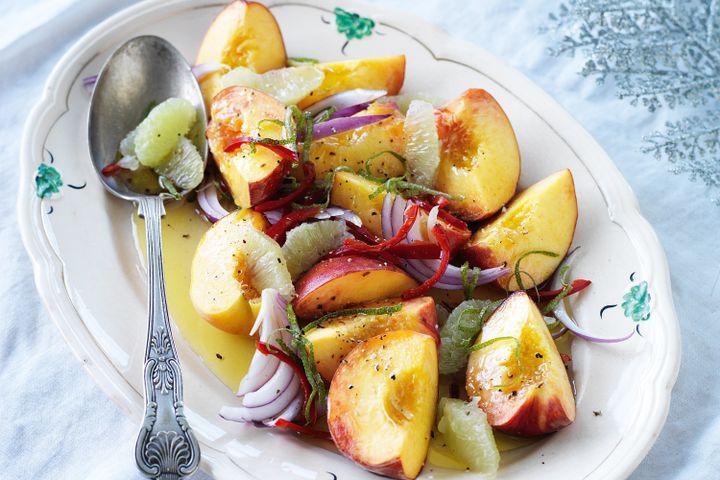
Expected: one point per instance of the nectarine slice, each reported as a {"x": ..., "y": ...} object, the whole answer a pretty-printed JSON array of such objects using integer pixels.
[
  {"x": 341, "y": 282},
  {"x": 334, "y": 339},
  {"x": 353, "y": 148},
  {"x": 233, "y": 263},
  {"x": 382, "y": 401},
  {"x": 542, "y": 218},
  {"x": 479, "y": 155},
  {"x": 252, "y": 176},
  {"x": 378, "y": 73},
  {"x": 244, "y": 34},
  {"x": 518, "y": 378}
]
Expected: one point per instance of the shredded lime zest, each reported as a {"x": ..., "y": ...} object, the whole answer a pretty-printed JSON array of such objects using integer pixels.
[
  {"x": 567, "y": 288},
  {"x": 517, "y": 272},
  {"x": 459, "y": 332},
  {"x": 389, "y": 310},
  {"x": 399, "y": 185},
  {"x": 300, "y": 61},
  {"x": 168, "y": 186},
  {"x": 306, "y": 353},
  {"x": 469, "y": 283},
  {"x": 468, "y": 435},
  {"x": 308, "y": 242}
]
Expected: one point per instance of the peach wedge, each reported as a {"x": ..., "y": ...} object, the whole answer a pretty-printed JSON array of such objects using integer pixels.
[
  {"x": 479, "y": 156},
  {"x": 335, "y": 338},
  {"x": 542, "y": 218},
  {"x": 244, "y": 34},
  {"x": 526, "y": 391},
  {"x": 377, "y": 73},
  {"x": 342, "y": 282},
  {"x": 382, "y": 401},
  {"x": 252, "y": 176}
]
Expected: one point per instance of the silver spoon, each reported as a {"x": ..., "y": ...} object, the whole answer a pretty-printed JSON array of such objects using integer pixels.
[{"x": 143, "y": 72}]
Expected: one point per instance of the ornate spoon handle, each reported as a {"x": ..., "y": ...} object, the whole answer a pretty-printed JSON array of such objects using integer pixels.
[{"x": 166, "y": 448}]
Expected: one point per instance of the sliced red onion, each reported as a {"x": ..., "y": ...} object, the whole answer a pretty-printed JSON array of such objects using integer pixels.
[
  {"x": 274, "y": 216},
  {"x": 393, "y": 216},
  {"x": 560, "y": 333},
  {"x": 264, "y": 412},
  {"x": 337, "y": 212},
  {"x": 562, "y": 315},
  {"x": 340, "y": 125},
  {"x": 432, "y": 221},
  {"x": 346, "y": 99},
  {"x": 290, "y": 412},
  {"x": 209, "y": 203},
  {"x": 276, "y": 386},
  {"x": 271, "y": 386},
  {"x": 350, "y": 111},
  {"x": 202, "y": 69},
  {"x": 89, "y": 83}
]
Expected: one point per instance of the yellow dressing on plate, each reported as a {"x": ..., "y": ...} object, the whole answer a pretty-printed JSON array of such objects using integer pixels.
[{"x": 227, "y": 356}]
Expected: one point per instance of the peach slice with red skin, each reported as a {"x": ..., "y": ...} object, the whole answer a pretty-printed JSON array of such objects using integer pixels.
[
  {"x": 244, "y": 34},
  {"x": 479, "y": 155},
  {"x": 251, "y": 176},
  {"x": 335, "y": 338},
  {"x": 341, "y": 282},
  {"x": 533, "y": 398},
  {"x": 382, "y": 402},
  {"x": 541, "y": 218}
]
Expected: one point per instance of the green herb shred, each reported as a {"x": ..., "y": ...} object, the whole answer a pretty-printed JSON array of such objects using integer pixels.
[{"x": 388, "y": 310}]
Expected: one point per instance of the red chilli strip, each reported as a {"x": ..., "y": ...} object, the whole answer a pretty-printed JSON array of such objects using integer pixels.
[
  {"x": 441, "y": 202},
  {"x": 111, "y": 169},
  {"x": 362, "y": 234},
  {"x": 282, "y": 423},
  {"x": 280, "y": 150},
  {"x": 444, "y": 262},
  {"x": 410, "y": 218},
  {"x": 266, "y": 349},
  {"x": 577, "y": 286},
  {"x": 305, "y": 185},
  {"x": 277, "y": 232},
  {"x": 566, "y": 358}
]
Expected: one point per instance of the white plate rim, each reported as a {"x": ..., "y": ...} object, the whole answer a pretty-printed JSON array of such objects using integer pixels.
[{"x": 622, "y": 205}]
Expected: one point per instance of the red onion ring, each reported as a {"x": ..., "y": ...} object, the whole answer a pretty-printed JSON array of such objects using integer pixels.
[
  {"x": 289, "y": 413},
  {"x": 274, "y": 216},
  {"x": 271, "y": 387},
  {"x": 350, "y": 111},
  {"x": 89, "y": 83},
  {"x": 332, "y": 127},
  {"x": 392, "y": 218},
  {"x": 210, "y": 205},
  {"x": 346, "y": 99},
  {"x": 562, "y": 315}
]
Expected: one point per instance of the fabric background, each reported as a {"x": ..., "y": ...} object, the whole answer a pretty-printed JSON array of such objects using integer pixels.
[{"x": 56, "y": 424}]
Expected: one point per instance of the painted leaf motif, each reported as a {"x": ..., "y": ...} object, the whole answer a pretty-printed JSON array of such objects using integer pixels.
[
  {"x": 352, "y": 25},
  {"x": 636, "y": 303},
  {"x": 47, "y": 181}
]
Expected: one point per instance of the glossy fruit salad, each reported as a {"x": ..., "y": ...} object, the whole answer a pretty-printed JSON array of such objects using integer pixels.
[{"x": 380, "y": 255}]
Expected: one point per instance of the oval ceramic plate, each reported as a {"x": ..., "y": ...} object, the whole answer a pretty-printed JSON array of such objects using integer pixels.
[{"x": 90, "y": 275}]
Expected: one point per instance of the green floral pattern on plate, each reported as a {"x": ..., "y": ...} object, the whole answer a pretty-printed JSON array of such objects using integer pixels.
[
  {"x": 636, "y": 302},
  {"x": 47, "y": 181},
  {"x": 352, "y": 25}
]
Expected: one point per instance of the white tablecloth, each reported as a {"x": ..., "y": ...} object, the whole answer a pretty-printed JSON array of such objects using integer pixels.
[{"x": 56, "y": 424}]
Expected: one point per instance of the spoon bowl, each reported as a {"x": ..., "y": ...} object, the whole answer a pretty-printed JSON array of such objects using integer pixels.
[{"x": 142, "y": 73}]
